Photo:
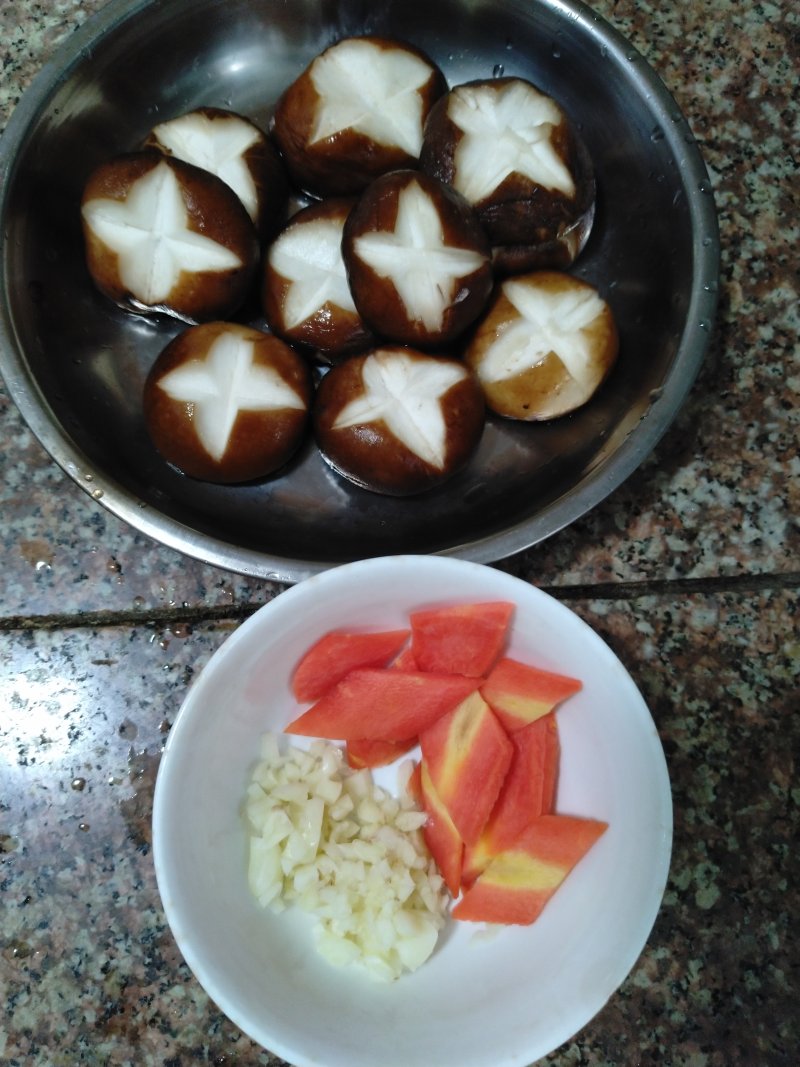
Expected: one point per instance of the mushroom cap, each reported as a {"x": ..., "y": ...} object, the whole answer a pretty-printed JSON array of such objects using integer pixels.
[
  {"x": 513, "y": 153},
  {"x": 544, "y": 347},
  {"x": 165, "y": 236},
  {"x": 418, "y": 261},
  {"x": 396, "y": 421},
  {"x": 356, "y": 112},
  {"x": 238, "y": 151},
  {"x": 226, "y": 403},
  {"x": 305, "y": 292}
]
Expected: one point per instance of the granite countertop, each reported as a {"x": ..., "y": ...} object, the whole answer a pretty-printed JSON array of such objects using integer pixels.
[{"x": 689, "y": 570}]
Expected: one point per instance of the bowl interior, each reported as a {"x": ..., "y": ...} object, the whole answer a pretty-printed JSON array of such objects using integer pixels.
[
  {"x": 76, "y": 364},
  {"x": 503, "y": 999}
]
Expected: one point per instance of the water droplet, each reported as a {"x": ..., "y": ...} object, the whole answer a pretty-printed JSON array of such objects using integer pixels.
[
  {"x": 78, "y": 784},
  {"x": 42, "y": 565},
  {"x": 603, "y": 52},
  {"x": 656, "y": 394},
  {"x": 656, "y": 134},
  {"x": 556, "y": 53},
  {"x": 181, "y": 630},
  {"x": 128, "y": 730},
  {"x": 164, "y": 726},
  {"x": 138, "y": 601},
  {"x": 710, "y": 287},
  {"x": 499, "y": 70},
  {"x": 8, "y": 843},
  {"x": 703, "y": 324},
  {"x": 97, "y": 494},
  {"x": 704, "y": 186},
  {"x": 18, "y": 949},
  {"x": 83, "y": 826},
  {"x": 88, "y": 477},
  {"x": 707, "y": 241}
]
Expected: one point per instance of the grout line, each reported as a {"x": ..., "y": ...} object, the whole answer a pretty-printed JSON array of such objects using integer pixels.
[
  {"x": 749, "y": 583},
  {"x": 610, "y": 591}
]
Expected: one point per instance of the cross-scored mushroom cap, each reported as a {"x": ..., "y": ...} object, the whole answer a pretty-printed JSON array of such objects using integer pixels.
[
  {"x": 165, "y": 236},
  {"x": 417, "y": 259},
  {"x": 226, "y": 403},
  {"x": 513, "y": 153},
  {"x": 237, "y": 151},
  {"x": 397, "y": 421},
  {"x": 356, "y": 112},
  {"x": 546, "y": 344},
  {"x": 305, "y": 292}
]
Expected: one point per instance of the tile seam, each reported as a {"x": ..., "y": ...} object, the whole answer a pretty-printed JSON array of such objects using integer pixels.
[{"x": 606, "y": 591}]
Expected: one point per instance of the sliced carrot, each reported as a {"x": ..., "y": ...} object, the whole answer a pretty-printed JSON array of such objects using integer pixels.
[
  {"x": 338, "y": 653},
  {"x": 460, "y": 639}
]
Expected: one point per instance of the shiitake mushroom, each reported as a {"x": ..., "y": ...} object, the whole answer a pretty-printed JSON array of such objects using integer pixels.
[
  {"x": 544, "y": 347},
  {"x": 237, "y": 151},
  {"x": 305, "y": 293},
  {"x": 165, "y": 236},
  {"x": 514, "y": 154},
  {"x": 418, "y": 262},
  {"x": 356, "y": 112},
  {"x": 225, "y": 403},
  {"x": 397, "y": 421}
]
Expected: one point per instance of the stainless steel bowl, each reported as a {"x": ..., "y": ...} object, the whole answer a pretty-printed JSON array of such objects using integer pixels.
[{"x": 75, "y": 365}]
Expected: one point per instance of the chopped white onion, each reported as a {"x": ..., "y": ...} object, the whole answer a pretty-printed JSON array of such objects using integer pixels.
[{"x": 326, "y": 838}]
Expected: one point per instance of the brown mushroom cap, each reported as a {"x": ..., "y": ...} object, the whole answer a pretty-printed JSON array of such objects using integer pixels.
[
  {"x": 545, "y": 346},
  {"x": 418, "y": 261},
  {"x": 165, "y": 236},
  {"x": 226, "y": 403},
  {"x": 512, "y": 152},
  {"x": 305, "y": 293},
  {"x": 237, "y": 151},
  {"x": 396, "y": 421},
  {"x": 357, "y": 111}
]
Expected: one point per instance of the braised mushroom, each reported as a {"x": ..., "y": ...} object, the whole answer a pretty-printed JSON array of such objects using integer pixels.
[
  {"x": 513, "y": 153},
  {"x": 226, "y": 403},
  {"x": 305, "y": 293},
  {"x": 397, "y": 421},
  {"x": 356, "y": 112},
  {"x": 418, "y": 262},
  {"x": 165, "y": 236},
  {"x": 546, "y": 344},
  {"x": 237, "y": 151}
]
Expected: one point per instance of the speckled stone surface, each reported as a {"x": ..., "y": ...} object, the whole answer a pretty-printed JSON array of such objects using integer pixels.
[{"x": 690, "y": 571}]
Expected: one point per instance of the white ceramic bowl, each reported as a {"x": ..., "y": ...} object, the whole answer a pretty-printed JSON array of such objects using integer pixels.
[{"x": 503, "y": 1000}]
